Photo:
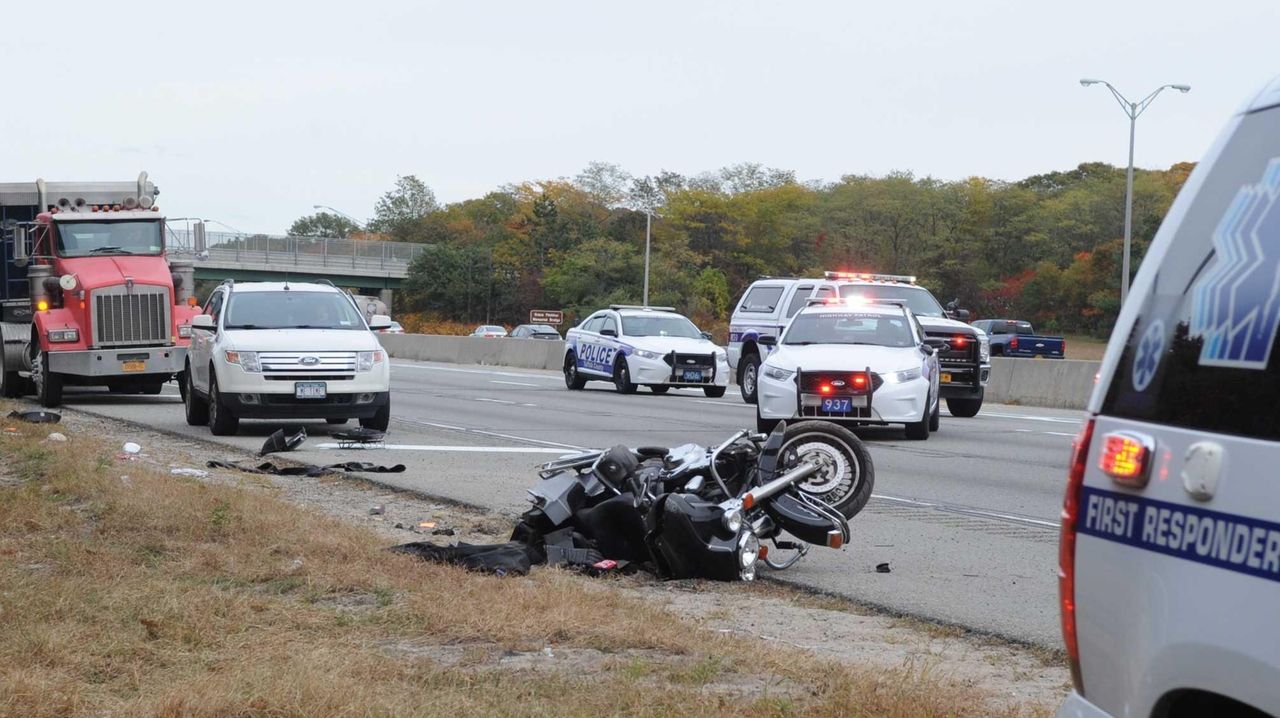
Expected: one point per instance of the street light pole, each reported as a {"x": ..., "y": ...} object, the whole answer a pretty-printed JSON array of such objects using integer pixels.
[
  {"x": 340, "y": 213},
  {"x": 648, "y": 226},
  {"x": 1133, "y": 110}
]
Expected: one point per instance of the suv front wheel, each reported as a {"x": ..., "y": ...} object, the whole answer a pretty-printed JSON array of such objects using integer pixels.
[
  {"x": 221, "y": 421},
  {"x": 381, "y": 420}
]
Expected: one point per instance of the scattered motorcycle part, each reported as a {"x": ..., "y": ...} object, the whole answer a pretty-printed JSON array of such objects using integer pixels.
[
  {"x": 283, "y": 440},
  {"x": 36, "y": 416},
  {"x": 882, "y": 567}
]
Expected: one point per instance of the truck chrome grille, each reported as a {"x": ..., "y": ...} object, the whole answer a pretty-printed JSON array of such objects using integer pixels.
[{"x": 139, "y": 318}]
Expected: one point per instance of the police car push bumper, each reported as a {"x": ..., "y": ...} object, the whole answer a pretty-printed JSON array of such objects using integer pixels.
[{"x": 891, "y": 403}]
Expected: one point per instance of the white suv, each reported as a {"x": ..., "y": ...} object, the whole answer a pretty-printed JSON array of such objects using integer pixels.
[
  {"x": 273, "y": 350},
  {"x": 1170, "y": 553}
]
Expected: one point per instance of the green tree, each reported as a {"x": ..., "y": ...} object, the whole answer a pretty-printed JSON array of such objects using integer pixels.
[
  {"x": 399, "y": 211},
  {"x": 323, "y": 224}
]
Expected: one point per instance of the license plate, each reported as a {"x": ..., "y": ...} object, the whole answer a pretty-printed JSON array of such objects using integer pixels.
[
  {"x": 945, "y": 378},
  {"x": 131, "y": 366},
  {"x": 692, "y": 375},
  {"x": 309, "y": 390},
  {"x": 841, "y": 405}
]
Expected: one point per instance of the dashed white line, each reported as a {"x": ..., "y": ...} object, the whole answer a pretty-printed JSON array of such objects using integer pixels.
[
  {"x": 493, "y": 401},
  {"x": 1047, "y": 433},
  {"x": 511, "y": 383},
  {"x": 481, "y": 432},
  {"x": 718, "y": 403},
  {"x": 1052, "y": 419},
  {"x": 517, "y": 375}
]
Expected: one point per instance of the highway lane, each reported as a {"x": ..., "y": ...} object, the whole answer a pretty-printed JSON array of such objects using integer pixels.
[{"x": 966, "y": 520}]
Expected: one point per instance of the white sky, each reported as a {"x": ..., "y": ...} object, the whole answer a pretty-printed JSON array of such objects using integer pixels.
[{"x": 252, "y": 112}]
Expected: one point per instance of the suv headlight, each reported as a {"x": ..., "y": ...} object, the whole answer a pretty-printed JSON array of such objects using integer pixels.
[
  {"x": 247, "y": 360},
  {"x": 646, "y": 354},
  {"x": 366, "y": 361},
  {"x": 899, "y": 377},
  {"x": 64, "y": 335},
  {"x": 778, "y": 373}
]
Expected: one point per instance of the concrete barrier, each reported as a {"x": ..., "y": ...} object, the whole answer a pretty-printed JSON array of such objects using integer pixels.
[
  {"x": 1064, "y": 384},
  {"x": 1060, "y": 383}
]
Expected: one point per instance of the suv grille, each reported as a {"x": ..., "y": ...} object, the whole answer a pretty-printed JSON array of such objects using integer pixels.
[
  {"x": 137, "y": 318},
  {"x": 303, "y": 366}
]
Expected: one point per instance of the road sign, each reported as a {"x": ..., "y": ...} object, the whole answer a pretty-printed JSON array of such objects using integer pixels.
[{"x": 554, "y": 317}]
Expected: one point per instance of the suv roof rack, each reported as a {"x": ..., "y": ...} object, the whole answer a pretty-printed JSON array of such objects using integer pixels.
[
  {"x": 865, "y": 276},
  {"x": 616, "y": 307}
]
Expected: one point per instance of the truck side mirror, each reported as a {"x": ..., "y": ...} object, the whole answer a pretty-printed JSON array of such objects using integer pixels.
[
  {"x": 962, "y": 315},
  {"x": 20, "y": 257},
  {"x": 767, "y": 341}
]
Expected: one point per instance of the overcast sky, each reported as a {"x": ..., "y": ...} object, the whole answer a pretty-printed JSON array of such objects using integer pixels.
[{"x": 250, "y": 113}]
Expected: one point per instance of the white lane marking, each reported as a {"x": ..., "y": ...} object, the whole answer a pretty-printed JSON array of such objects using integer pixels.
[
  {"x": 1031, "y": 418},
  {"x": 493, "y": 401},
  {"x": 512, "y": 383},
  {"x": 968, "y": 510},
  {"x": 719, "y": 403},
  {"x": 1048, "y": 433},
  {"x": 471, "y": 449},
  {"x": 518, "y": 375},
  {"x": 481, "y": 432}
]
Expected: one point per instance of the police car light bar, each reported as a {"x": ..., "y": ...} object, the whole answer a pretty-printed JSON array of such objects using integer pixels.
[
  {"x": 855, "y": 301},
  {"x": 908, "y": 279},
  {"x": 616, "y": 307}
]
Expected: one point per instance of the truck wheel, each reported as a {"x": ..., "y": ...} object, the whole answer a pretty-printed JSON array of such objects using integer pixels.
[
  {"x": 380, "y": 421},
  {"x": 572, "y": 379},
  {"x": 622, "y": 378},
  {"x": 197, "y": 409},
  {"x": 221, "y": 421},
  {"x": 713, "y": 392},
  {"x": 964, "y": 408},
  {"x": 48, "y": 384},
  {"x": 11, "y": 384},
  {"x": 747, "y": 375}
]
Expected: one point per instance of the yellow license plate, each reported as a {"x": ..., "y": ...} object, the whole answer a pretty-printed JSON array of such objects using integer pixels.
[
  {"x": 134, "y": 366},
  {"x": 945, "y": 378}
]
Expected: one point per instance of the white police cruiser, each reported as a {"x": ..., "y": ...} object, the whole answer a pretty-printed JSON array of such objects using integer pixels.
[
  {"x": 852, "y": 362},
  {"x": 643, "y": 346},
  {"x": 1170, "y": 553}
]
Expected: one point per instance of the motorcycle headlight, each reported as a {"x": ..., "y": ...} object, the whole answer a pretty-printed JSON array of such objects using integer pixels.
[
  {"x": 365, "y": 361},
  {"x": 774, "y": 372},
  {"x": 732, "y": 520},
  {"x": 646, "y": 354},
  {"x": 247, "y": 360},
  {"x": 899, "y": 377},
  {"x": 748, "y": 552}
]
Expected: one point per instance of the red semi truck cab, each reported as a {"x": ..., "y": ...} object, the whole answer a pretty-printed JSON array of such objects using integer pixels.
[{"x": 104, "y": 306}]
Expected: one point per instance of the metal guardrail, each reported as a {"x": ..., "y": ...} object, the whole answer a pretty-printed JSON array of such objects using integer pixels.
[{"x": 314, "y": 252}]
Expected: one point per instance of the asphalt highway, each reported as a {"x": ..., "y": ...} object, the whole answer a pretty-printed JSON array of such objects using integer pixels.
[{"x": 967, "y": 521}]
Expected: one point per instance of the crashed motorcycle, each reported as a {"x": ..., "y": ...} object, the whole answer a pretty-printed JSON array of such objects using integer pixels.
[{"x": 696, "y": 512}]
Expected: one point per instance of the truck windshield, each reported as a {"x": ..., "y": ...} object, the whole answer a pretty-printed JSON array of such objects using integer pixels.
[
  {"x": 292, "y": 310},
  {"x": 83, "y": 239},
  {"x": 848, "y": 328},
  {"x": 659, "y": 326},
  {"x": 918, "y": 299}
]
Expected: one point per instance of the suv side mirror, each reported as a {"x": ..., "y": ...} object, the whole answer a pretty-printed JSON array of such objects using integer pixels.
[
  {"x": 608, "y": 332},
  {"x": 379, "y": 321},
  {"x": 767, "y": 341},
  {"x": 203, "y": 321}
]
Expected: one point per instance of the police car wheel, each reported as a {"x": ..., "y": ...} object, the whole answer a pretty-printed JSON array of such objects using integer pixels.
[
  {"x": 659, "y": 388},
  {"x": 622, "y": 378},
  {"x": 713, "y": 392},
  {"x": 919, "y": 430},
  {"x": 572, "y": 379},
  {"x": 747, "y": 377},
  {"x": 765, "y": 426}
]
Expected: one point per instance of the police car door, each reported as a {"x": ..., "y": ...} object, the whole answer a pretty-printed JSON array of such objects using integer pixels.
[
  {"x": 1178, "y": 528},
  {"x": 595, "y": 350}
]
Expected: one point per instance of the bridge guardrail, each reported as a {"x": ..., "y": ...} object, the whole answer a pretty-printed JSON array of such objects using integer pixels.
[{"x": 317, "y": 252}]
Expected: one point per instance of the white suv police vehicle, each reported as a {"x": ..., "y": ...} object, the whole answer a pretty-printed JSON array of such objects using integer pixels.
[
  {"x": 643, "y": 346},
  {"x": 770, "y": 302},
  {"x": 851, "y": 362},
  {"x": 1170, "y": 553},
  {"x": 273, "y": 350}
]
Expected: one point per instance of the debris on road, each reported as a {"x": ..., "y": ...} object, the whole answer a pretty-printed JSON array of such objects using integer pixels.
[
  {"x": 359, "y": 438},
  {"x": 882, "y": 567},
  {"x": 183, "y": 471},
  {"x": 131, "y": 447},
  {"x": 56, "y": 437},
  {"x": 444, "y": 532},
  {"x": 36, "y": 416},
  {"x": 512, "y": 557},
  {"x": 310, "y": 470},
  {"x": 378, "y": 510},
  {"x": 284, "y": 440}
]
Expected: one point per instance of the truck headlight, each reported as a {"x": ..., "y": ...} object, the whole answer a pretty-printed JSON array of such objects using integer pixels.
[
  {"x": 899, "y": 377},
  {"x": 366, "y": 361},
  {"x": 778, "y": 373},
  {"x": 64, "y": 335},
  {"x": 184, "y": 331},
  {"x": 646, "y": 354},
  {"x": 247, "y": 360},
  {"x": 984, "y": 349}
]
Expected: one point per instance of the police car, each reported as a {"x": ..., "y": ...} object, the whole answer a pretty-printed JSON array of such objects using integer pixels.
[
  {"x": 770, "y": 302},
  {"x": 1170, "y": 551},
  {"x": 643, "y": 346},
  {"x": 852, "y": 362}
]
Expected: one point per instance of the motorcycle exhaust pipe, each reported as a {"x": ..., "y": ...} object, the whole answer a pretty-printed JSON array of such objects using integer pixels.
[{"x": 778, "y": 485}]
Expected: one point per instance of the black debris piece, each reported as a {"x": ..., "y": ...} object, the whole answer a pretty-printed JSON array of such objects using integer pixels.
[
  {"x": 311, "y": 470},
  {"x": 882, "y": 567},
  {"x": 36, "y": 416},
  {"x": 358, "y": 437},
  {"x": 443, "y": 532},
  {"x": 284, "y": 440},
  {"x": 501, "y": 559},
  {"x": 366, "y": 468}
]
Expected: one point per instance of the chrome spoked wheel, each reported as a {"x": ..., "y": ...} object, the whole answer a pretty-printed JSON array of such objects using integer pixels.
[{"x": 839, "y": 469}]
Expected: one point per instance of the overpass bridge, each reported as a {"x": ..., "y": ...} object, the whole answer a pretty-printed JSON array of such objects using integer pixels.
[{"x": 372, "y": 266}]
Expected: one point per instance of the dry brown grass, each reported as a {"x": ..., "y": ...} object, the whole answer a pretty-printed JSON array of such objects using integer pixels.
[{"x": 163, "y": 596}]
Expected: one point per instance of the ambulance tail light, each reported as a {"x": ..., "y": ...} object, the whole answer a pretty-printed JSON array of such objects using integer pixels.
[
  {"x": 1067, "y": 550},
  {"x": 1126, "y": 458}
]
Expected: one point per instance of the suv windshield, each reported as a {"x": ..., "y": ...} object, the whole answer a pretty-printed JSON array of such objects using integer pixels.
[
  {"x": 659, "y": 326},
  {"x": 292, "y": 310},
  {"x": 82, "y": 239},
  {"x": 918, "y": 299},
  {"x": 849, "y": 328}
]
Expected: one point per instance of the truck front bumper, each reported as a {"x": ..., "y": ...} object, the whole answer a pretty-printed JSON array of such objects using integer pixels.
[
  {"x": 128, "y": 361},
  {"x": 968, "y": 381}
]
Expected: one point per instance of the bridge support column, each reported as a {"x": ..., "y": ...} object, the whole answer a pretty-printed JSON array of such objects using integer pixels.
[{"x": 385, "y": 296}]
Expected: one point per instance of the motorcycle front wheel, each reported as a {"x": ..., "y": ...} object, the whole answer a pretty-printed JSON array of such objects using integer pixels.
[{"x": 846, "y": 475}]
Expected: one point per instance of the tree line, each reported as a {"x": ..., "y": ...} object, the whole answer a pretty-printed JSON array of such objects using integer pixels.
[{"x": 1046, "y": 248}]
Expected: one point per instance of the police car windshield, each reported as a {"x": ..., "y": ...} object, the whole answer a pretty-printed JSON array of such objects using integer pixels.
[
  {"x": 292, "y": 310},
  {"x": 918, "y": 299},
  {"x": 848, "y": 328},
  {"x": 659, "y": 326}
]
